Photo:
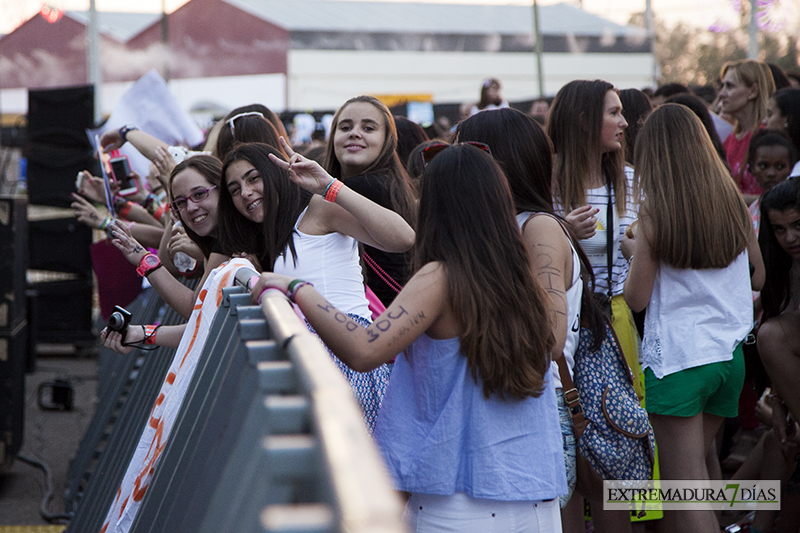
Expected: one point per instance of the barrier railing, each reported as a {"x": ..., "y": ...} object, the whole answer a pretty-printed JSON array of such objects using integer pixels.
[{"x": 269, "y": 438}]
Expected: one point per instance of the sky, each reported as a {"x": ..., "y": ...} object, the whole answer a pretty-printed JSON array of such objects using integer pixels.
[{"x": 699, "y": 12}]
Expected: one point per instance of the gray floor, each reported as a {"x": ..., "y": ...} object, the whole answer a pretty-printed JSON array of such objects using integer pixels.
[{"x": 51, "y": 437}]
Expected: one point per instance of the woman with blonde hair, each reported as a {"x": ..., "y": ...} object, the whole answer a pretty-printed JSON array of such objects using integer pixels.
[
  {"x": 694, "y": 253},
  {"x": 747, "y": 86}
]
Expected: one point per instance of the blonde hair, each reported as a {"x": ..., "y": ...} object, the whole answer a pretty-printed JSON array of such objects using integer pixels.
[
  {"x": 697, "y": 214},
  {"x": 753, "y": 72}
]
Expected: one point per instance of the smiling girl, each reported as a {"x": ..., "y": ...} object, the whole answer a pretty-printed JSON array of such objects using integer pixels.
[
  {"x": 292, "y": 231},
  {"x": 362, "y": 152}
]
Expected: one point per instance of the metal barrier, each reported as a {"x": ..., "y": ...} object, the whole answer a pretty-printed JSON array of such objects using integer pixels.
[{"x": 269, "y": 438}]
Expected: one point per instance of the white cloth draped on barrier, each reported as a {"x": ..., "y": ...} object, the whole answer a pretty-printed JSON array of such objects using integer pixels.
[{"x": 168, "y": 403}]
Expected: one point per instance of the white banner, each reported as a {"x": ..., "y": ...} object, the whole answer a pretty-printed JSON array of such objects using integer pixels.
[{"x": 692, "y": 495}]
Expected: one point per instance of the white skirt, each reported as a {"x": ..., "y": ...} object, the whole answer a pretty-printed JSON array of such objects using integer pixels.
[{"x": 461, "y": 513}]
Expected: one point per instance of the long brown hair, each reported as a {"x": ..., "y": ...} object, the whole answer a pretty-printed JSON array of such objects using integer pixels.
[
  {"x": 574, "y": 125},
  {"x": 466, "y": 211},
  {"x": 388, "y": 163},
  {"x": 698, "y": 215},
  {"x": 283, "y": 202}
]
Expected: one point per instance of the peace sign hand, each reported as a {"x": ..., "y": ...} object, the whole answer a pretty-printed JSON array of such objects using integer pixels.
[{"x": 304, "y": 172}]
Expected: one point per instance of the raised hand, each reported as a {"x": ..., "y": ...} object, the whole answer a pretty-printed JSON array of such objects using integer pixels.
[
  {"x": 164, "y": 162},
  {"x": 122, "y": 238},
  {"x": 306, "y": 173},
  {"x": 86, "y": 212}
]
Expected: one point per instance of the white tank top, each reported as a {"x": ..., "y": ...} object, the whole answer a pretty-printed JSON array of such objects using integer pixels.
[
  {"x": 696, "y": 317},
  {"x": 573, "y": 296},
  {"x": 331, "y": 263}
]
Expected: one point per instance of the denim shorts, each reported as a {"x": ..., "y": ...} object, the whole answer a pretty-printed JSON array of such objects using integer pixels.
[{"x": 568, "y": 438}]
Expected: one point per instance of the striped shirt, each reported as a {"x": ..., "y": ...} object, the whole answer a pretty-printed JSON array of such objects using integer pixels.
[{"x": 595, "y": 246}]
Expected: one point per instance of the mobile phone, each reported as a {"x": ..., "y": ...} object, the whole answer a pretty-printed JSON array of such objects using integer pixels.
[
  {"x": 121, "y": 170},
  {"x": 79, "y": 181}
]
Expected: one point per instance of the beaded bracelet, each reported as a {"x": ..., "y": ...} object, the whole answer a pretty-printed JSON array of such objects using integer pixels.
[
  {"x": 294, "y": 286},
  {"x": 333, "y": 191}
]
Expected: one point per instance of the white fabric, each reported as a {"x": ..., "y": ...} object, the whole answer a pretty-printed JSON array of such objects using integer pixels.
[
  {"x": 696, "y": 317},
  {"x": 723, "y": 127},
  {"x": 573, "y": 295},
  {"x": 331, "y": 263},
  {"x": 795, "y": 170},
  {"x": 154, "y": 437},
  {"x": 465, "y": 514}
]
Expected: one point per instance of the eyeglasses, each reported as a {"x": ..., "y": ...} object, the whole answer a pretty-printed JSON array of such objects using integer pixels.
[
  {"x": 240, "y": 115},
  {"x": 179, "y": 204},
  {"x": 435, "y": 149}
]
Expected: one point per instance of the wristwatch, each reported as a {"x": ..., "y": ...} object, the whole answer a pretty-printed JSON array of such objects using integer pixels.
[
  {"x": 123, "y": 132},
  {"x": 148, "y": 264}
]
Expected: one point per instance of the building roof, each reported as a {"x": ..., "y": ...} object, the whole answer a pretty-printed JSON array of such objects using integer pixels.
[
  {"x": 413, "y": 17},
  {"x": 120, "y": 26}
]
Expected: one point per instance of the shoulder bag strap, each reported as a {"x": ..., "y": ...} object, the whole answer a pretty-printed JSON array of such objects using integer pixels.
[{"x": 610, "y": 239}]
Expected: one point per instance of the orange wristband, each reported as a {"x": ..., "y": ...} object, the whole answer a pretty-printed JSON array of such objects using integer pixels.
[
  {"x": 333, "y": 191},
  {"x": 125, "y": 209}
]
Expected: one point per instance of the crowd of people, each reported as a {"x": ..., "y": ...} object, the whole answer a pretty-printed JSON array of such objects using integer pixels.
[{"x": 450, "y": 277}]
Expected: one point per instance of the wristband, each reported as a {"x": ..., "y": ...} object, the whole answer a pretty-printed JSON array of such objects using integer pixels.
[
  {"x": 125, "y": 209},
  {"x": 105, "y": 223},
  {"x": 333, "y": 190},
  {"x": 294, "y": 286},
  {"x": 150, "y": 333},
  {"x": 328, "y": 187},
  {"x": 148, "y": 202},
  {"x": 123, "y": 132},
  {"x": 160, "y": 212}
]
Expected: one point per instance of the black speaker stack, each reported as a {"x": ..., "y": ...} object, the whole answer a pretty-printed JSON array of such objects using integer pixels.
[
  {"x": 60, "y": 310},
  {"x": 14, "y": 330}
]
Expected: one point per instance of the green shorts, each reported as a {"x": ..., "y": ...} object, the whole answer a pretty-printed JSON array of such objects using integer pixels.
[{"x": 713, "y": 388}]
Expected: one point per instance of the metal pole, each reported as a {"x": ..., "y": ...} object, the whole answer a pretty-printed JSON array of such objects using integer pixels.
[
  {"x": 538, "y": 48},
  {"x": 752, "y": 49},
  {"x": 95, "y": 75},
  {"x": 651, "y": 34},
  {"x": 165, "y": 38}
]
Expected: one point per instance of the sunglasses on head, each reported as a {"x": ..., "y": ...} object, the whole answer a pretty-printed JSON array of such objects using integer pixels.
[
  {"x": 240, "y": 115},
  {"x": 435, "y": 149},
  {"x": 179, "y": 204}
]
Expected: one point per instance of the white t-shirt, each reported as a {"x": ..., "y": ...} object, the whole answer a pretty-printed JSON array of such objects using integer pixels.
[{"x": 696, "y": 317}]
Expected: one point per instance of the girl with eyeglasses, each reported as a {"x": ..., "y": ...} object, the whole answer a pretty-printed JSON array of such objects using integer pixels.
[
  {"x": 468, "y": 407},
  {"x": 290, "y": 230},
  {"x": 362, "y": 152},
  {"x": 194, "y": 189},
  {"x": 695, "y": 263}
]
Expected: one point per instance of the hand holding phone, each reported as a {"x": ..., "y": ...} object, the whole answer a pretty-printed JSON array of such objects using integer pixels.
[{"x": 121, "y": 170}]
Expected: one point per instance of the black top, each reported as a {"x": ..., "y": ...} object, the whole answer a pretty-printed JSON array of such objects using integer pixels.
[{"x": 375, "y": 186}]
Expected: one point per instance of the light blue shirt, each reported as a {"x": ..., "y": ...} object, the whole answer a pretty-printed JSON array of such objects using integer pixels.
[{"x": 440, "y": 435}]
